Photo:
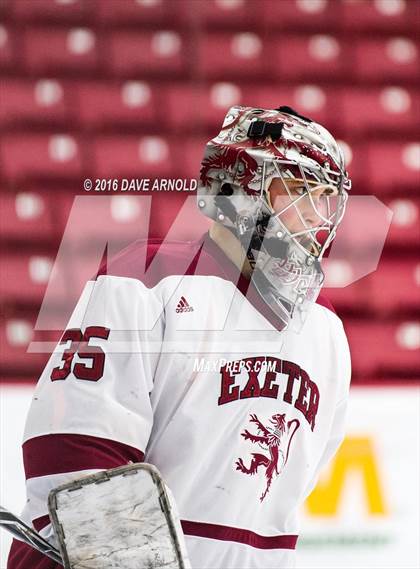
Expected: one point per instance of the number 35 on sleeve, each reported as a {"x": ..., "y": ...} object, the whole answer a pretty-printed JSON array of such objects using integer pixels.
[{"x": 79, "y": 344}]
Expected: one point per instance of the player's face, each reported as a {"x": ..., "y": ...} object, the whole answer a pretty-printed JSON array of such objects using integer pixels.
[{"x": 298, "y": 209}]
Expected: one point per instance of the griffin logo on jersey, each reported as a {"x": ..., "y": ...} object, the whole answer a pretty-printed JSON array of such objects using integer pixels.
[{"x": 276, "y": 439}]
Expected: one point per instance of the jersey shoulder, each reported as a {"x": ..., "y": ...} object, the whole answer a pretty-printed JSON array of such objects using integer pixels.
[
  {"x": 151, "y": 260},
  {"x": 326, "y": 303}
]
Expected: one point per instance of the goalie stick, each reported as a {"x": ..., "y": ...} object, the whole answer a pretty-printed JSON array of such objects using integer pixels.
[{"x": 21, "y": 531}]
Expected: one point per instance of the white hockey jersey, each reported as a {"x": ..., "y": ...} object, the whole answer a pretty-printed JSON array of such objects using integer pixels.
[{"x": 171, "y": 357}]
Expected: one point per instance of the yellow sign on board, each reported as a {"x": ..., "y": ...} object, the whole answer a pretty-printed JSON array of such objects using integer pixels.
[{"x": 356, "y": 454}]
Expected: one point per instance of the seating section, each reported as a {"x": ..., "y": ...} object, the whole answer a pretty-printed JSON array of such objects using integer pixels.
[
  {"x": 43, "y": 102},
  {"x": 384, "y": 350},
  {"x": 16, "y": 333},
  {"x": 33, "y": 156},
  {"x": 134, "y": 89},
  {"x": 55, "y": 50},
  {"x": 163, "y": 52}
]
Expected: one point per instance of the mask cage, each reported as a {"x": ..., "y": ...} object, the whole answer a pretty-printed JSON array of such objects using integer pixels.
[{"x": 327, "y": 208}]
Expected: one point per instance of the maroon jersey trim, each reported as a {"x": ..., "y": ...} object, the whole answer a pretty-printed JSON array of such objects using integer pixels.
[
  {"x": 41, "y": 523},
  {"x": 23, "y": 556},
  {"x": 60, "y": 453},
  {"x": 136, "y": 261},
  {"x": 244, "y": 536}
]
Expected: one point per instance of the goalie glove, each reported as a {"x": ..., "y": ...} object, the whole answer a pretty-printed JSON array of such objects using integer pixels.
[{"x": 124, "y": 517}]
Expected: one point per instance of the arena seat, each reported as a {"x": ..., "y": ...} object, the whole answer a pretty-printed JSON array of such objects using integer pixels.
[
  {"x": 353, "y": 298},
  {"x": 56, "y": 50},
  {"x": 404, "y": 230},
  {"x": 381, "y": 15},
  {"x": 16, "y": 333},
  {"x": 43, "y": 102},
  {"x": 218, "y": 14},
  {"x": 244, "y": 55},
  {"x": 26, "y": 216},
  {"x": 129, "y": 103},
  {"x": 140, "y": 12},
  {"x": 391, "y": 59},
  {"x": 395, "y": 287},
  {"x": 311, "y": 99},
  {"x": 300, "y": 14},
  {"x": 393, "y": 167},
  {"x": 7, "y": 51},
  {"x": 162, "y": 53},
  {"x": 384, "y": 348},
  {"x": 194, "y": 107},
  {"x": 32, "y": 272},
  {"x": 365, "y": 110},
  {"x": 34, "y": 155},
  {"x": 137, "y": 156},
  {"x": 41, "y": 10},
  {"x": 315, "y": 57},
  {"x": 95, "y": 217}
]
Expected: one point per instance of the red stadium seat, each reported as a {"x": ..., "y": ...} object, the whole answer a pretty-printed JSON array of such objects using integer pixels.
[
  {"x": 388, "y": 108},
  {"x": 33, "y": 272},
  {"x": 98, "y": 216},
  {"x": 7, "y": 51},
  {"x": 309, "y": 58},
  {"x": 55, "y": 50},
  {"x": 134, "y": 11},
  {"x": 196, "y": 107},
  {"x": 295, "y": 14},
  {"x": 142, "y": 157},
  {"x": 312, "y": 100},
  {"x": 32, "y": 156},
  {"x": 160, "y": 53},
  {"x": 383, "y": 348},
  {"x": 405, "y": 226},
  {"x": 41, "y": 10},
  {"x": 395, "y": 287},
  {"x": 393, "y": 167},
  {"x": 130, "y": 103},
  {"x": 244, "y": 55},
  {"x": 221, "y": 13},
  {"x": 354, "y": 298},
  {"x": 193, "y": 107},
  {"x": 15, "y": 335},
  {"x": 379, "y": 15},
  {"x": 26, "y": 216},
  {"x": 392, "y": 59},
  {"x": 44, "y": 101}
]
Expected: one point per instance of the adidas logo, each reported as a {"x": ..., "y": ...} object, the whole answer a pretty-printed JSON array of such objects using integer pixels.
[{"x": 183, "y": 306}]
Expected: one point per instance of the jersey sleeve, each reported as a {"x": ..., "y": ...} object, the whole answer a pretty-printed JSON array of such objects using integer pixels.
[
  {"x": 338, "y": 426},
  {"x": 91, "y": 409}
]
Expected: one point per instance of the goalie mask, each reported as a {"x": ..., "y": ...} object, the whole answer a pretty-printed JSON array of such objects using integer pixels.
[{"x": 277, "y": 181}]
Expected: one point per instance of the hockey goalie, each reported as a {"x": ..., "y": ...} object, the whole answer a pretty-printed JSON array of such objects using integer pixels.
[{"x": 215, "y": 360}]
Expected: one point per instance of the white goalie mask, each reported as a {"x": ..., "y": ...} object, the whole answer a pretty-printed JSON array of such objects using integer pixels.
[{"x": 277, "y": 181}]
